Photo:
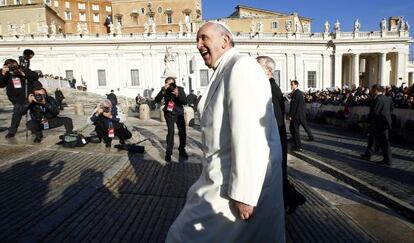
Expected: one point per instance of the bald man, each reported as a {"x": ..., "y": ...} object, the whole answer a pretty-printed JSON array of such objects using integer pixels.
[{"x": 238, "y": 197}]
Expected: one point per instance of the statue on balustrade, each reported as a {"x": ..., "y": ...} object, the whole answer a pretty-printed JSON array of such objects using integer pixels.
[
  {"x": 253, "y": 28},
  {"x": 146, "y": 28},
  {"x": 402, "y": 24},
  {"x": 79, "y": 29},
  {"x": 288, "y": 26},
  {"x": 260, "y": 27},
  {"x": 180, "y": 27},
  {"x": 326, "y": 27},
  {"x": 52, "y": 28},
  {"x": 111, "y": 28},
  {"x": 383, "y": 24},
  {"x": 357, "y": 26},
  {"x": 337, "y": 26},
  {"x": 22, "y": 29},
  {"x": 153, "y": 27},
  {"x": 118, "y": 28},
  {"x": 188, "y": 27}
]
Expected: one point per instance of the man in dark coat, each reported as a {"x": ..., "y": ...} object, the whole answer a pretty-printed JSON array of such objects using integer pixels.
[
  {"x": 112, "y": 97},
  {"x": 191, "y": 99},
  {"x": 380, "y": 123},
  {"x": 174, "y": 99},
  {"x": 19, "y": 82},
  {"x": 297, "y": 115},
  {"x": 59, "y": 98},
  {"x": 292, "y": 197}
]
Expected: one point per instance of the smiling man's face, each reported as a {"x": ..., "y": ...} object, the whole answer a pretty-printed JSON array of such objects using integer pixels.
[{"x": 211, "y": 43}]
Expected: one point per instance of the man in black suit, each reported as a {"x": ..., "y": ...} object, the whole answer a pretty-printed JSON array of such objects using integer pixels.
[
  {"x": 291, "y": 196},
  {"x": 380, "y": 123},
  {"x": 297, "y": 115},
  {"x": 174, "y": 99}
]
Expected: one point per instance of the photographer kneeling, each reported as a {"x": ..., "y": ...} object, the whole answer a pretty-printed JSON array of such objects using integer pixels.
[
  {"x": 108, "y": 121},
  {"x": 174, "y": 99},
  {"x": 44, "y": 112}
]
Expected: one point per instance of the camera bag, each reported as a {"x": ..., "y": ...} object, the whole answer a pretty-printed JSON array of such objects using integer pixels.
[{"x": 72, "y": 140}]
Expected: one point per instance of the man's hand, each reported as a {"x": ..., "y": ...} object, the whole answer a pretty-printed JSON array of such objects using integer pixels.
[
  {"x": 244, "y": 211},
  {"x": 31, "y": 98},
  {"x": 4, "y": 70},
  {"x": 290, "y": 118},
  {"x": 175, "y": 92}
]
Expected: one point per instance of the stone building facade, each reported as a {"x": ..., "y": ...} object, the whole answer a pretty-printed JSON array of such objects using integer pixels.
[{"x": 167, "y": 15}]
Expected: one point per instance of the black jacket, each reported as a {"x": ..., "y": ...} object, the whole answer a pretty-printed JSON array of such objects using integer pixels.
[
  {"x": 179, "y": 101},
  {"x": 191, "y": 99},
  {"x": 297, "y": 105},
  {"x": 59, "y": 95},
  {"x": 112, "y": 98},
  {"x": 38, "y": 111},
  {"x": 380, "y": 113},
  {"x": 18, "y": 95},
  {"x": 278, "y": 102}
]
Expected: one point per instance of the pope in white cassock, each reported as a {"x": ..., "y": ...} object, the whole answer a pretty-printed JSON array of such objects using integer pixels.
[{"x": 238, "y": 197}]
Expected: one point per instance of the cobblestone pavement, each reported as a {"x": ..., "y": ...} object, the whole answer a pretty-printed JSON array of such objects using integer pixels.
[
  {"x": 95, "y": 194},
  {"x": 341, "y": 148}
]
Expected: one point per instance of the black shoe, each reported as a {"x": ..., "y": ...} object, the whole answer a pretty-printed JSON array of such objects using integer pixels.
[
  {"x": 311, "y": 139},
  {"x": 365, "y": 157},
  {"x": 10, "y": 135},
  {"x": 298, "y": 201},
  {"x": 108, "y": 144},
  {"x": 384, "y": 162},
  {"x": 37, "y": 139},
  {"x": 168, "y": 157},
  {"x": 183, "y": 154}
]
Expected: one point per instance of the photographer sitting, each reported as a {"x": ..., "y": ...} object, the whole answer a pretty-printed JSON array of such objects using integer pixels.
[
  {"x": 174, "y": 99},
  {"x": 44, "y": 112},
  {"x": 19, "y": 82},
  {"x": 108, "y": 121}
]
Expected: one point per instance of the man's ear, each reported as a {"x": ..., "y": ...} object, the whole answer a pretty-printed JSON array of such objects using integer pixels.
[{"x": 226, "y": 42}]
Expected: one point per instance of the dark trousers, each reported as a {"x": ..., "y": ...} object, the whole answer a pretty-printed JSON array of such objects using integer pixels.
[
  {"x": 171, "y": 120},
  {"x": 36, "y": 127},
  {"x": 290, "y": 194},
  {"x": 382, "y": 139},
  {"x": 16, "y": 118},
  {"x": 59, "y": 102},
  {"x": 294, "y": 129},
  {"x": 101, "y": 128}
]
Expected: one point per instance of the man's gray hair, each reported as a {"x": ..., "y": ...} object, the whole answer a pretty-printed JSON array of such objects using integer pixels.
[
  {"x": 106, "y": 103},
  {"x": 224, "y": 30},
  {"x": 269, "y": 62}
]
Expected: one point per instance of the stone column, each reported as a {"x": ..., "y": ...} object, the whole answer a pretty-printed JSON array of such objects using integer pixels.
[
  {"x": 326, "y": 67},
  {"x": 299, "y": 70},
  {"x": 290, "y": 68},
  {"x": 382, "y": 69},
  {"x": 401, "y": 65},
  {"x": 355, "y": 76},
  {"x": 338, "y": 70}
]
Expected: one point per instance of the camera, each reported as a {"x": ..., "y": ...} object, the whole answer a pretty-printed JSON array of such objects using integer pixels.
[
  {"x": 106, "y": 109},
  {"x": 14, "y": 70},
  {"x": 39, "y": 97},
  {"x": 23, "y": 62},
  {"x": 171, "y": 88}
]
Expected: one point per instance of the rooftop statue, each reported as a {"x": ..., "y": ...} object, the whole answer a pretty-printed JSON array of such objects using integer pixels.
[
  {"x": 326, "y": 27},
  {"x": 357, "y": 26},
  {"x": 337, "y": 26},
  {"x": 383, "y": 24}
]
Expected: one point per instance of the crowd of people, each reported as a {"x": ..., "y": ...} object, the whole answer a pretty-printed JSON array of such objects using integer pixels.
[{"x": 402, "y": 96}]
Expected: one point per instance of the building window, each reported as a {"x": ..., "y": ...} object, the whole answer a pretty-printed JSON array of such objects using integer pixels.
[
  {"x": 311, "y": 79},
  {"x": 169, "y": 18},
  {"x": 204, "y": 77},
  {"x": 274, "y": 24},
  {"x": 56, "y": 4},
  {"x": 29, "y": 1},
  {"x": 96, "y": 18},
  {"x": 276, "y": 76},
  {"x": 159, "y": 9},
  {"x": 108, "y": 9},
  {"x": 81, "y": 6},
  {"x": 68, "y": 15},
  {"x": 2, "y": 3},
  {"x": 134, "y": 77},
  {"x": 101, "y": 77},
  {"x": 82, "y": 17},
  {"x": 95, "y": 7},
  {"x": 17, "y": 2},
  {"x": 47, "y": 2},
  {"x": 187, "y": 18},
  {"x": 67, "y": 5},
  {"x": 69, "y": 74},
  {"x": 142, "y": 10}
]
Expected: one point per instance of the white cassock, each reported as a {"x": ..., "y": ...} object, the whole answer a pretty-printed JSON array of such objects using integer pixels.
[{"x": 242, "y": 160}]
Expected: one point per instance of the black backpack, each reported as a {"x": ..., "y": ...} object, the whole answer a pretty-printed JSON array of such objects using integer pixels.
[{"x": 72, "y": 140}]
